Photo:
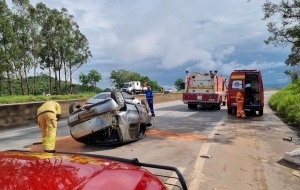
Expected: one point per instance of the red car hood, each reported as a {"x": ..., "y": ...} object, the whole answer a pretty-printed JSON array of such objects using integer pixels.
[{"x": 29, "y": 170}]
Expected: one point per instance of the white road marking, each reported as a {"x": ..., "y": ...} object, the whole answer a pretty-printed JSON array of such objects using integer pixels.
[
  {"x": 14, "y": 131},
  {"x": 172, "y": 180},
  {"x": 196, "y": 174}
]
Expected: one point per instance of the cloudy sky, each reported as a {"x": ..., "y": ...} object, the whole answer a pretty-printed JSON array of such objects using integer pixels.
[{"x": 163, "y": 38}]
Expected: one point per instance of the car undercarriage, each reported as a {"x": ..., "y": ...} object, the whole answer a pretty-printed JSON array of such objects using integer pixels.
[{"x": 111, "y": 121}]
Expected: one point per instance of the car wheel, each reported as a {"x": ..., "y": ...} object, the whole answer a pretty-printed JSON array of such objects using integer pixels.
[
  {"x": 145, "y": 103},
  {"x": 117, "y": 96},
  {"x": 73, "y": 107}
]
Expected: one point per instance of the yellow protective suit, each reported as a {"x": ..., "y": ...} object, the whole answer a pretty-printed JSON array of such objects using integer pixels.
[
  {"x": 240, "y": 105},
  {"x": 47, "y": 119}
]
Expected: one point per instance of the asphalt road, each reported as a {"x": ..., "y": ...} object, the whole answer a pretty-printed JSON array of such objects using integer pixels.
[{"x": 213, "y": 150}]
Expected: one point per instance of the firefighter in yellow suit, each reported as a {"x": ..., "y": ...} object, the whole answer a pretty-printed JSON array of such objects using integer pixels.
[
  {"x": 240, "y": 104},
  {"x": 48, "y": 115}
]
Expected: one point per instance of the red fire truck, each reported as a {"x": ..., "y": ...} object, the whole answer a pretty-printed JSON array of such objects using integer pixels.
[{"x": 205, "y": 89}]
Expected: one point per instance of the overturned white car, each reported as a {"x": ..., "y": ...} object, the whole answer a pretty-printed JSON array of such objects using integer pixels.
[{"x": 109, "y": 118}]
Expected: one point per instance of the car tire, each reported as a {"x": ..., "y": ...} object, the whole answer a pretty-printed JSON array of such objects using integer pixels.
[
  {"x": 118, "y": 97},
  {"x": 145, "y": 103},
  {"x": 73, "y": 107}
]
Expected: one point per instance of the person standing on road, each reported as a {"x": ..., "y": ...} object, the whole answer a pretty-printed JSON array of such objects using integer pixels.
[
  {"x": 48, "y": 115},
  {"x": 149, "y": 97},
  {"x": 240, "y": 104},
  {"x": 161, "y": 91}
]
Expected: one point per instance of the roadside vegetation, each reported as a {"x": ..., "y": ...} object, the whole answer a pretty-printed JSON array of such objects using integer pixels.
[
  {"x": 286, "y": 103},
  {"x": 38, "y": 98}
]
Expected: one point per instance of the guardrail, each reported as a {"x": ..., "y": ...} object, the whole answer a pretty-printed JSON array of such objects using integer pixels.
[{"x": 20, "y": 114}]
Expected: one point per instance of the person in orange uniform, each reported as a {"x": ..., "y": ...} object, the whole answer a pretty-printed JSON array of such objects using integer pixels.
[
  {"x": 48, "y": 115},
  {"x": 240, "y": 104}
]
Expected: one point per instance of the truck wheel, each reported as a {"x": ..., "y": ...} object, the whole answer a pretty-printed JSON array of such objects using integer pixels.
[
  {"x": 73, "y": 107},
  {"x": 218, "y": 106},
  {"x": 261, "y": 112},
  {"x": 229, "y": 110},
  {"x": 117, "y": 96},
  {"x": 145, "y": 103},
  {"x": 253, "y": 113},
  {"x": 192, "y": 106}
]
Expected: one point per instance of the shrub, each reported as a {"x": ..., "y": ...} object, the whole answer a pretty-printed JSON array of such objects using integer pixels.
[{"x": 286, "y": 103}]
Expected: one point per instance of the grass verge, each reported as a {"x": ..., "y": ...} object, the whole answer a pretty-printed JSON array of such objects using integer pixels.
[
  {"x": 33, "y": 98},
  {"x": 286, "y": 103}
]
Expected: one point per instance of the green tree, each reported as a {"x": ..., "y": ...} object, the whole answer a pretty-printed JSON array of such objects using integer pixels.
[
  {"x": 78, "y": 53},
  {"x": 120, "y": 76},
  {"x": 293, "y": 73},
  {"x": 178, "y": 83},
  {"x": 287, "y": 30},
  {"x": 32, "y": 37},
  {"x": 22, "y": 27},
  {"x": 91, "y": 79},
  {"x": 6, "y": 43},
  {"x": 36, "y": 40}
]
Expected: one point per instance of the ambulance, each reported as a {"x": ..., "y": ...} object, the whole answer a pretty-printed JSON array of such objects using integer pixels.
[{"x": 251, "y": 82}]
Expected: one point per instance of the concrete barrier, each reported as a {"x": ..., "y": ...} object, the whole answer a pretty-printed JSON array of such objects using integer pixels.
[{"x": 20, "y": 114}]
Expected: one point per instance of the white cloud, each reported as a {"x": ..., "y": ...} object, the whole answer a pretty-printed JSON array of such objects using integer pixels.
[
  {"x": 228, "y": 67},
  {"x": 164, "y": 35}
]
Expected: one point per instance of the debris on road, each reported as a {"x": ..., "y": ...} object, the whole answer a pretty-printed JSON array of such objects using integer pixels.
[
  {"x": 206, "y": 156},
  {"x": 217, "y": 134},
  {"x": 290, "y": 139},
  {"x": 293, "y": 156},
  {"x": 37, "y": 143}
]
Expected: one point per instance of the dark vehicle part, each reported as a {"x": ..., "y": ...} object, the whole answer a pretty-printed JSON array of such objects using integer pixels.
[
  {"x": 73, "y": 171},
  {"x": 114, "y": 118},
  {"x": 251, "y": 84},
  {"x": 73, "y": 107},
  {"x": 117, "y": 96}
]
